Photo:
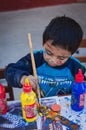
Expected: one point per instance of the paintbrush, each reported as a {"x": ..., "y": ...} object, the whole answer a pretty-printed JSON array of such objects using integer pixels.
[{"x": 33, "y": 64}]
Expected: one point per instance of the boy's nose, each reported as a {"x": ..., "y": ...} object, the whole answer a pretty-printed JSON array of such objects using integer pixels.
[{"x": 55, "y": 58}]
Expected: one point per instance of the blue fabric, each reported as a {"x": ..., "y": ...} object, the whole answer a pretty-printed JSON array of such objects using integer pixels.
[
  {"x": 53, "y": 81},
  {"x": 13, "y": 119}
]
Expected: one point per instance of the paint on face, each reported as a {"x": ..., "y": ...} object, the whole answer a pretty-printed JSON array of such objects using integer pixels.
[{"x": 55, "y": 55}]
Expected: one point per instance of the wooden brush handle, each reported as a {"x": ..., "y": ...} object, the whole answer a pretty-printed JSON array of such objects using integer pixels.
[{"x": 33, "y": 62}]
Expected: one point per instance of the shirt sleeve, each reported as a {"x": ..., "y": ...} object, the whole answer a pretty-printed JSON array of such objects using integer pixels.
[
  {"x": 75, "y": 65},
  {"x": 15, "y": 71}
]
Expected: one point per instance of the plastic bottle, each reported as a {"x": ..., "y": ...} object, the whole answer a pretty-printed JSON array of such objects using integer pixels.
[
  {"x": 78, "y": 92},
  {"x": 3, "y": 102},
  {"x": 85, "y": 96},
  {"x": 28, "y": 101}
]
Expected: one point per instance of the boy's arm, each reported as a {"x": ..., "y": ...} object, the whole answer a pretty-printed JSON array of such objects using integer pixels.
[{"x": 15, "y": 71}]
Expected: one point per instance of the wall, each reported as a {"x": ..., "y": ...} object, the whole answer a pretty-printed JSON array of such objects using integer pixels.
[
  {"x": 81, "y": 0},
  {"x": 8, "y": 5}
]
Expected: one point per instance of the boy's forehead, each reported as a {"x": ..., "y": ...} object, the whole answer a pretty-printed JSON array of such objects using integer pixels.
[
  {"x": 48, "y": 44},
  {"x": 56, "y": 49}
]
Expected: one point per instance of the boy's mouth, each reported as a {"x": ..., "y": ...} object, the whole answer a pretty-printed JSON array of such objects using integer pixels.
[{"x": 54, "y": 63}]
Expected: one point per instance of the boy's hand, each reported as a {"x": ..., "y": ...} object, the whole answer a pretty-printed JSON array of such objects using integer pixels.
[{"x": 33, "y": 81}]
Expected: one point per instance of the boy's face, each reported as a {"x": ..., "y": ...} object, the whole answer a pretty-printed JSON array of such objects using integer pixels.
[{"x": 54, "y": 55}]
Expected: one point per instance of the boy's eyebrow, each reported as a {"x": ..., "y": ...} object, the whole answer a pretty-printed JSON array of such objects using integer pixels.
[
  {"x": 48, "y": 50},
  {"x": 63, "y": 56},
  {"x": 58, "y": 56}
]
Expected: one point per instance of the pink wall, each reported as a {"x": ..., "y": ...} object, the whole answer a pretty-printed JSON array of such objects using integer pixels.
[{"x": 8, "y": 5}]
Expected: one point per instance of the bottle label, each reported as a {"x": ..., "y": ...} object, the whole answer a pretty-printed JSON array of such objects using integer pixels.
[
  {"x": 30, "y": 110},
  {"x": 78, "y": 100},
  {"x": 3, "y": 106},
  {"x": 82, "y": 99}
]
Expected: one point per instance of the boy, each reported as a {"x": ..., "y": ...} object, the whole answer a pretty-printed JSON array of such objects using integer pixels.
[{"x": 56, "y": 68}]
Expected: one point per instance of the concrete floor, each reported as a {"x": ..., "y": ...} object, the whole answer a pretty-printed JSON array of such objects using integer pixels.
[{"x": 15, "y": 25}]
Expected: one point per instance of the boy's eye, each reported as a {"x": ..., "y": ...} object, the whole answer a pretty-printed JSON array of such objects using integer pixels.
[
  {"x": 48, "y": 52},
  {"x": 58, "y": 57},
  {"x": 61, "y": 57}
]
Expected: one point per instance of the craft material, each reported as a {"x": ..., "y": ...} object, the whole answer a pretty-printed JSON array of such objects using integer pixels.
[
  {"x": 70, "y": 125},
  {"x": 78, "y": 92},
  {"x": 3, "y": 102},
  {"x": 33, "y": 63},
  {"x": 28, "y": 101},
  {"x": 56, "y": 108}
]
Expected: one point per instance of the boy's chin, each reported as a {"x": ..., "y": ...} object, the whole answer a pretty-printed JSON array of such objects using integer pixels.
[{"x": 53, "y": 65}]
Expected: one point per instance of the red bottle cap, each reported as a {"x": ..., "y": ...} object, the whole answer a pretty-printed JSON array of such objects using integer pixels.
[
  {"x": 79, "y": 77},
  {"x": 27, "y": 88}
]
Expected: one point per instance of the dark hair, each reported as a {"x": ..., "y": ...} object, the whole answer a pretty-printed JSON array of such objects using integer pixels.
[{"x": 64, "y": 32}]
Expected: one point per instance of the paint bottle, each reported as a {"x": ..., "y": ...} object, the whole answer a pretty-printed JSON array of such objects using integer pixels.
[
  {"x": 28, "y": 101},
  {"x": 3, "y": 102},
  {"x": 78, "y": 92},
  {"x": 85, "y": 94}
]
